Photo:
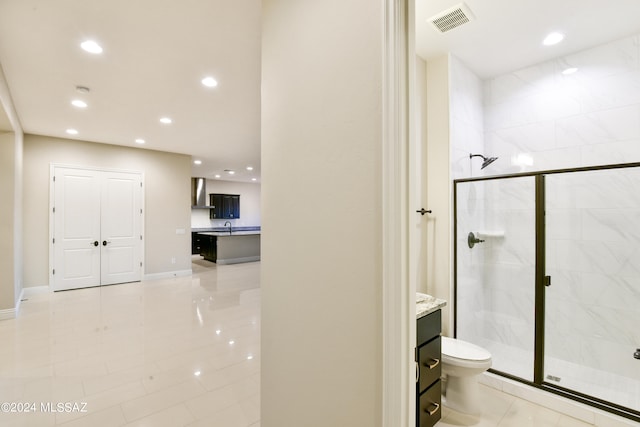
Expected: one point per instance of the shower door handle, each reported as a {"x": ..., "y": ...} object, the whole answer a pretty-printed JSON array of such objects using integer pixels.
[{"x": 547, "y": 281}]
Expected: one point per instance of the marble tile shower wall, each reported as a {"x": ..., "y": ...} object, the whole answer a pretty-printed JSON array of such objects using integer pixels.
[
  {"x": 539, "y": 119},
  {"x": 470, "y": 262},
  {"x": 496, "y": 277},
  {"x": 467, "y": 136},
  {"x": 467, "y": 119},
  {"x": 593, "y": 258}
]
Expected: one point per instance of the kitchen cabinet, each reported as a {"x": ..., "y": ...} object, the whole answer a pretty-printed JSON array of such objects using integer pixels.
[
  {"x": 224, "y": 206},
  {"x": 196, "y": 243},
  {"x": 209, "y": 249},
  {"x": 428, "y": 357}
]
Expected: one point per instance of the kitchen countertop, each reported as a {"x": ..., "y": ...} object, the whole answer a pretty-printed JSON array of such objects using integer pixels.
[
  {"x": 225, "y": 229},
  {"x": 233, "y": 233},
  {"x": 426, "y": 304}
]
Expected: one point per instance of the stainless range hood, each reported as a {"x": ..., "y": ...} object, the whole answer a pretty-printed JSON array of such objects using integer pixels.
[{"x": 198, "y": 192}]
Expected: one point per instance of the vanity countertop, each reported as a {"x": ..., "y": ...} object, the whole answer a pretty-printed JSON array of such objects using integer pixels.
[{"x": 426, "y": 304}]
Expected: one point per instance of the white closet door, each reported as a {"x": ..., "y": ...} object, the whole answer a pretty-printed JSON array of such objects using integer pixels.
[
  {"x": 77, "y": 229},
  {"x": 121, "y": 219},
  {"x": 97, "y": 228}
]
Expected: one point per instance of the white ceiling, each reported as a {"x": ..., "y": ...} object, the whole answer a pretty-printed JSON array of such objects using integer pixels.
[
  {"x": 157, "y": 51},
  {"x": 507, "y": 35},
  {"x": 155, "y": 54}
]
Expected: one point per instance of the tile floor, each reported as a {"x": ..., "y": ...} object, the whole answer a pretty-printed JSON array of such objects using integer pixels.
[
  {"x": 504, "y": 410},
  {"x": 173, "y": 352}
]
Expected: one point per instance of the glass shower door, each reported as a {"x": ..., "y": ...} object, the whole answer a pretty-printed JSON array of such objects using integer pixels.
[
  {"x": 592, "y": 320},
  {"x": 495, "y": 270}
]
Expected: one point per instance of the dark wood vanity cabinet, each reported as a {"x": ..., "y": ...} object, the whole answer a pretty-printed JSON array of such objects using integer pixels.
[{"x": 428, "y": 357}]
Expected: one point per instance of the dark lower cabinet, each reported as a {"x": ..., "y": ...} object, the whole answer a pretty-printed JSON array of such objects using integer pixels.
[
  {"x": 196, "y": 243},
  {"x": 429, "y": 355},
  {"x": 204, "y": 245},
  {"x": 210, "y": 248}
]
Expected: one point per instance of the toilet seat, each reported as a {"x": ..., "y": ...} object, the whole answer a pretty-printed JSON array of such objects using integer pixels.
[{"x": 464, "y": 354}]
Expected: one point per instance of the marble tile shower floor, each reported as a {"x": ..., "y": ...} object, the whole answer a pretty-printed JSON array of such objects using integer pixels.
[{"x": 176, "y": 352}]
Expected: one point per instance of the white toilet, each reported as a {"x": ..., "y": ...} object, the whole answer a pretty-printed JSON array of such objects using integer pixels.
[{"x": 462, "y": 362}]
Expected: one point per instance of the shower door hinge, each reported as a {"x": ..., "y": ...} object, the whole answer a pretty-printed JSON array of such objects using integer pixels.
[
  {"x": 547, "y": 280},
  {"x": 54, "y": 271}
]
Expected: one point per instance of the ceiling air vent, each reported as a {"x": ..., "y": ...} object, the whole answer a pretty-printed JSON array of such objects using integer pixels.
[{"x": 451, "y": 18}]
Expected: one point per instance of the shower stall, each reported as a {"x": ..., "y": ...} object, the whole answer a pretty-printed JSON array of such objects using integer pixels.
[{"x": 547, "y": 278}]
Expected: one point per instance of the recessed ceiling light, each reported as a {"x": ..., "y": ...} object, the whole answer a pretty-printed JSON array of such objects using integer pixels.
[
  {"x": 209, "y": 82},
  {"x": 140, "y": 141},
  {"x": 72, "y": 131},
  {"x": 229, "y": 171},
  {"x": 249, "y": 168},
  {"x": 197, "y": 373},
  {"x": 553, "y": 38},
  {"x": 254, "y": 179},
  {"x": 91, "y": 47},
  {"x": 217, "y": 176},
  {"x": 197, "y": 162},
  {"x": 166, "y": 120},
  {"x": 79, "y": 103},
  {"x": 569, "y": 71}
]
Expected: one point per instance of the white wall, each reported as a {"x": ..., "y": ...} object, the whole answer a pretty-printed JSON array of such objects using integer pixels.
[
  {"x": 7, "y": 220},
  {"x": 321, "y": 213},
  {"x": 11, "y": 140},
  {"x": 167, "y": 200},
  {"x": 249, "y": 204}
]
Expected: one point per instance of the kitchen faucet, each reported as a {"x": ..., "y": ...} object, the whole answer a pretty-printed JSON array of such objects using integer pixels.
[{"x": 225, "y": 224}]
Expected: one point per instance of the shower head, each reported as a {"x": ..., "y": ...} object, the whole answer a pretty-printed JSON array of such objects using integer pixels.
[{"x": 487, "y": 160}]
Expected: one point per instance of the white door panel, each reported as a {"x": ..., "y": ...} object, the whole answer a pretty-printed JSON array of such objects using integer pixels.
[
  {"x": 96, "y": 207},
  {"x": 121, "y": 223},
  {"x": 77, "y": 222}
]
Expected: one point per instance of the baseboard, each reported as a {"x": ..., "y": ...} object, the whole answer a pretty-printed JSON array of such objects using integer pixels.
[
  {"x": 167, "y": 274},
  {"x": 25, "y": 293},
  {"x": 7, "y": 314},
  {"x": 33, "y": 290},
  {"x": 237, "y": 260}
]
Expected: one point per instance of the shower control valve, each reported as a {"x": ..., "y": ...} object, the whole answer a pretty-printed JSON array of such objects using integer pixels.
[
  {"x": 472, "y": 240},
  {"x": 636, "y": 355}
]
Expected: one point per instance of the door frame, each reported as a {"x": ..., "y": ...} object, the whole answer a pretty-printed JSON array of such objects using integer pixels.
[
  {"x": 398, "y": 182},
  {"x": 52, "y": 168}
]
